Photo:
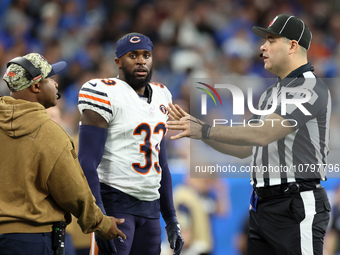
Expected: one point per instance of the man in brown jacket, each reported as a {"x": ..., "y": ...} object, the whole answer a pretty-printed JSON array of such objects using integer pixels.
[{"x": 41, "y": 180}]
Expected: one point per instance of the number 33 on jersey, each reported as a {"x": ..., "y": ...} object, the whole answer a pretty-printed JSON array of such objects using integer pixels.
[{"x": 136, "y": 128}]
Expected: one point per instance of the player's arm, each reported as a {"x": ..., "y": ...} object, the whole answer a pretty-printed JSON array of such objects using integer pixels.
[
  {"x": 167, "y": 204},
  {"x": 165, "y": 191},
  {"x": 92, "y": 118},
  {"x": 92, "y": 137}
]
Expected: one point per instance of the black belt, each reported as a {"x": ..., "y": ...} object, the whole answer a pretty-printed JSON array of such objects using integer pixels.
[{"x": 286, "y": 188}]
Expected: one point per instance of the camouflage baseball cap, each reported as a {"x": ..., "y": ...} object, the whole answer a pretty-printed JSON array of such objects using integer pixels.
[{"x": 18, "y": 78}]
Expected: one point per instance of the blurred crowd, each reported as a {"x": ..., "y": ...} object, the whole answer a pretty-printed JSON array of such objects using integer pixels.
[{"x": 192, "y": 39}]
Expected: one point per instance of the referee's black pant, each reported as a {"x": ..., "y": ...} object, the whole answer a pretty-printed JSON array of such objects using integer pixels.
[{"x": 289, "y": 224}]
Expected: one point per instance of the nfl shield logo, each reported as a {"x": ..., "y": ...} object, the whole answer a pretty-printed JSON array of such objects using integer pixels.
[{"x": 152, "y": 111}]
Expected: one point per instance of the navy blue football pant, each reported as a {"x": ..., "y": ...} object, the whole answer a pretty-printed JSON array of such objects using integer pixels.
[
  {"x": 26, "y": 244},
  {"x": 291, "y": 224},
  {"x": 143, "y": 235}
]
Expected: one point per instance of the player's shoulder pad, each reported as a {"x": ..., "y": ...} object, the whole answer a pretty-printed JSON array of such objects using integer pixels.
[
  {"x": 161, "y": 88},
  {"x": 100, "y": 85},
  {"x": 158, "y": 84},
  {"x": 99, "y": 82}
]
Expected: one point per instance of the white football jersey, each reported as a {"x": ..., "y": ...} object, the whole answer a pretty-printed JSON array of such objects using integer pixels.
[{"x": 135, "y": 130}]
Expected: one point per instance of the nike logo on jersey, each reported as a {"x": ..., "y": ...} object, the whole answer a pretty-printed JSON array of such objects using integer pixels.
[{"x": 93, "y": 84}]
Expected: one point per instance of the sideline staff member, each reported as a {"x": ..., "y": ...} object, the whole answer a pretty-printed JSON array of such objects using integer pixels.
[
  {"x": 290, "y": 211},
  {"x": 41, "y": 179}
]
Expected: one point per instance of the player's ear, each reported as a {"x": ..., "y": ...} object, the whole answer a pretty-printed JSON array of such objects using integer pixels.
[{"x": 118, "y": 63}]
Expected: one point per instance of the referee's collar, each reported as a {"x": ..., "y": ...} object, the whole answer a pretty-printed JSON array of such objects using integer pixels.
[{"x": 296, "y": 73}]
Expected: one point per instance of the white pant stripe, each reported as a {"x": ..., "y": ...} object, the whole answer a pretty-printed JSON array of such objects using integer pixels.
[
  {"x": 306, "y": 232},
  {"x": 93, "y": 245}
]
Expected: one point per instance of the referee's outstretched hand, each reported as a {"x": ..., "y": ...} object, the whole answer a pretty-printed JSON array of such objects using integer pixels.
[
  {"x": 175, "y": 112},
  {"x": 182, "y": 121}
]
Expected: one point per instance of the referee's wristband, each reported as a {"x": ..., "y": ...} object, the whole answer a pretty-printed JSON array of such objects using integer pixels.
[{"x": 206, "y": 131}]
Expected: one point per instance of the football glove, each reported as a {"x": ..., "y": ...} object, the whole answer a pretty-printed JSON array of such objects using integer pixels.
[
  {"x": 175, "y": 238},
  {"x": 105, "y": 247}
]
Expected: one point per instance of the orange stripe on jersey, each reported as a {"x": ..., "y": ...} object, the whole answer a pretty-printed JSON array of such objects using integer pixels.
[
  {"x": 158, "y": 84},
  {"x": 94, "y": 247},
  {"x": 95, "y": 99}
]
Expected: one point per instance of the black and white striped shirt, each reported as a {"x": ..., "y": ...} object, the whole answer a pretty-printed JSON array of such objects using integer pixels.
[{"x": 301, "y": 155}]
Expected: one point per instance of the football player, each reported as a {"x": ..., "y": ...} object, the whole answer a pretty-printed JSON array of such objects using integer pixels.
[{"x": 122, "y": 150}]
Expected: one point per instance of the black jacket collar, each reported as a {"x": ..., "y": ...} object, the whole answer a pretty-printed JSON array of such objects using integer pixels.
[{"x": 296, "y": 74}]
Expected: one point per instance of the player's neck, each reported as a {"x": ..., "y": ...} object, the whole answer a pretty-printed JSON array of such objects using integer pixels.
[{"x": 140, "y": 91}]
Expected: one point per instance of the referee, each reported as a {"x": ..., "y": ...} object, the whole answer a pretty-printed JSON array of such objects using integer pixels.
[{"x": 289, "y": 210}]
